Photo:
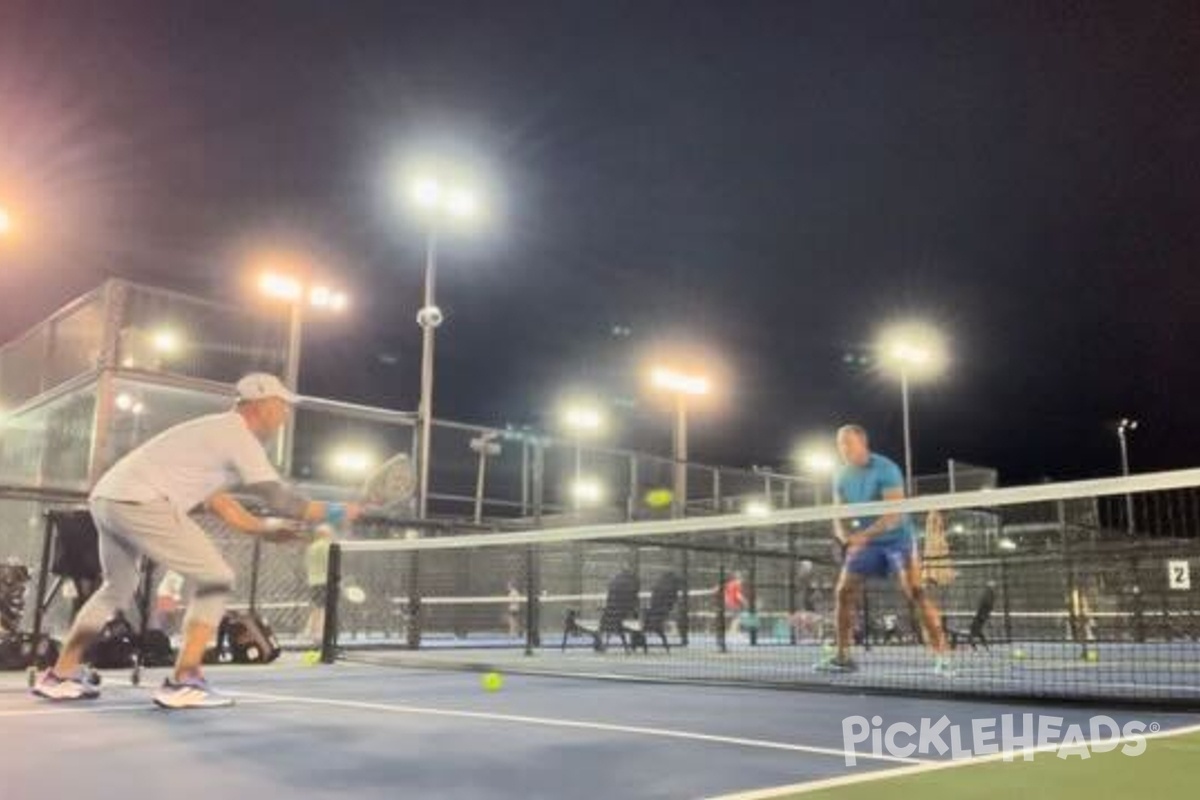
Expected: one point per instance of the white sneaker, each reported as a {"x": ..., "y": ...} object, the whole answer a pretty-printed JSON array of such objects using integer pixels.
[
  {"x": 80, "y": 686},
  {"x": 191, "y": 693}
]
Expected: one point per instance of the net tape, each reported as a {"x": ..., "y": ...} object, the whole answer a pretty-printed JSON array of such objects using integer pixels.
[{"x": 986, "y": 498}]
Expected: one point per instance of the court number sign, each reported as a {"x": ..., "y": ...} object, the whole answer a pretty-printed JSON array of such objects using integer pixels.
[{"x": 1179, "y": 575}]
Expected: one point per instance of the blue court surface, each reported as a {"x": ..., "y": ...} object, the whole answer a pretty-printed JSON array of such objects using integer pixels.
[{"x": 354, "y": 731}]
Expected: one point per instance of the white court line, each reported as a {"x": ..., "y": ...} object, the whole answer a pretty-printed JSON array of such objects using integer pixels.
[
  {"x": 93, "y": 707},
  {"x": 488, "y": 716},
  {"x": 774, "y": 792}
]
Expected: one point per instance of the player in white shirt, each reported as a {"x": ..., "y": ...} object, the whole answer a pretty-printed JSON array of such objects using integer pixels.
[{"x": 141, "y": 507}]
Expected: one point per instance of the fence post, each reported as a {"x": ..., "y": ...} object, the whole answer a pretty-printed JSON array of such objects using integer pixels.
[
  {"x": 721, "y": 646},
  {"x": 333, "y": 591},
  {"x": 532, "y": 633}
]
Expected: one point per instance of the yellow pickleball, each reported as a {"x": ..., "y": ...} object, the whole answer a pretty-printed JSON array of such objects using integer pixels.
[
  {"x": 492, "y": 681},
  {"x": 659, "y": 498},
  {"x": 311, "y": 658}
]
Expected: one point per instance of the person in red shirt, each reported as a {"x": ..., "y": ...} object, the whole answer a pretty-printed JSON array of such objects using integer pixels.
[{"x": 735, "y": 602}]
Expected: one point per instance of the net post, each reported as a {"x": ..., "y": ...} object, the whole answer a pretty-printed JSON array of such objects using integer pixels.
[
  {"x": 333, "y": 591},
  {"x": 524, "y": 477},
  {"x": 1004, "y": 599},
  {"x": 721, "y": 577},
  {"x": 791, "y": 584},
  {"x": 1139, "y": 619},
  {"x": 1073, "y": 613},
  {"x": 752, "y": 576},
  {"x": 255, "y": 562},
  {"x": 531, "y": 599},
  {"x": 413, "y": 606},
  {"x": 685, "y": 601},
  {"x": 632, "y": 502},
  {"x": 866, "y": 616},
  {"x": 532, "y": 635}
]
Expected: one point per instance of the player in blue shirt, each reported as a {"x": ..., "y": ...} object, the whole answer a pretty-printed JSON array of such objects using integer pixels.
[{"x": 875, "y": 546}]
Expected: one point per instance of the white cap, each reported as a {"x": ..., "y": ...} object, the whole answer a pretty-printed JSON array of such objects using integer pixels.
[{"x": 260, "y": 386}]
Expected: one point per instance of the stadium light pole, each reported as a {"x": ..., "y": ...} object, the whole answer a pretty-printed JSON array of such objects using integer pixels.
[
  {"x": 1123, "y": 428},
  {"x": 299, "y": 297},
  {"x": 438, "y": 203},
  {"x": 682, "y": 387},
  {"x": 914, "y": 351}
]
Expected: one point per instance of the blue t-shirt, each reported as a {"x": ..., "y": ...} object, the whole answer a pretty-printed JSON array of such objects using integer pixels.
[{"x": 867, "y": 485}]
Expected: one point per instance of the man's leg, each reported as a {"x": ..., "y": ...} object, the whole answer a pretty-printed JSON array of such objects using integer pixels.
[
  {"x": 848, "y": 590},
  {"x": 119, "y": 563},
  {"x": 175, "y": 542}
]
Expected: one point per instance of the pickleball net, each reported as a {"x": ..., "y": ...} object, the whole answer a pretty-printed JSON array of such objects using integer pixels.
[{"x": 1075, "y": 591}]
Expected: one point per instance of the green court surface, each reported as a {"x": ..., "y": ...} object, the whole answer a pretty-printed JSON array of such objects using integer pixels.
[{"x": 1167, "y": 769}]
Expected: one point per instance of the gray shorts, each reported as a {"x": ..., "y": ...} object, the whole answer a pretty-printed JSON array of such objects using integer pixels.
[{"x": 168, "y": 537}]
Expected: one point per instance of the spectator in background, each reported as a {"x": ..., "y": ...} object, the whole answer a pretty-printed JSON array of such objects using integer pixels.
[
  {"x": 734, "y": 598},
  {"x": 514, "y": 610}
]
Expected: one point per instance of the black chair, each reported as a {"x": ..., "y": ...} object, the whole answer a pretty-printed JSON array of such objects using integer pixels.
[
  {"x": 620, "y": 604},
  {"x": 663, "y": 598},
  {"x": 975, "y": 636}
]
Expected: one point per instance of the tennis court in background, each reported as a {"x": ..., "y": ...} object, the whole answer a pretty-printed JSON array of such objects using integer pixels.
[
  {"x": 1076, "y": 591},
  {"x": 347, "y": 730}
]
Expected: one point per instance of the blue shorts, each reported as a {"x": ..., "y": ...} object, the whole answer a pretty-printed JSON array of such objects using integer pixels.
[{"x": 881, "y": 559}]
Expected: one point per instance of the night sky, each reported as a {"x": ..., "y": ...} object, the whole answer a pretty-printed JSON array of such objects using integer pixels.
[{"x": 772, "y": 181}]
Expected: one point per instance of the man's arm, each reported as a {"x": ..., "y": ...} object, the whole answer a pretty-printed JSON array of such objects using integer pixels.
[
  {"x": 236, "y": 515},
  {"x": 283, "y": 500},
  {"x": 885, "y": 523},
  {"x": 260, "y": 479}
]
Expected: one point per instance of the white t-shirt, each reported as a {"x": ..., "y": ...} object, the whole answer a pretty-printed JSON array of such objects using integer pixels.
[{"x": 189, "y": 463}]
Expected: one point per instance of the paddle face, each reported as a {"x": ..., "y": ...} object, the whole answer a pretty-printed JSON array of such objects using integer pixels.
[{"x": 391, "y": 485}]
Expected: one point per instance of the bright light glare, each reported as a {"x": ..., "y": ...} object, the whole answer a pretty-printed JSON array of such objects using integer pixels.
[
  {"x": 818, "y": 461},
  {"x": 320, "y": 296},
  {"x": 462, "y": 204},
  {"x": 587, "y": 491},
  {"x": 426, "y": 193},
  {"x": 1004, "y": 543},
  {"x": 439, "y": 197},
  {"x": 351, "y": 462},
  {"x": 281, "y": 287},
  {"x": 5, "y": 222},
  {"x": 583, "y": 419},
  {"x": 757, "y": 508},
  {"x": 672, "y": 381},
  {"x": 125, "y": 401},
  {"x": 166, "y": 342},
  {"x": 325, "y": 298},
  {"x": 915, "y": 349}
]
